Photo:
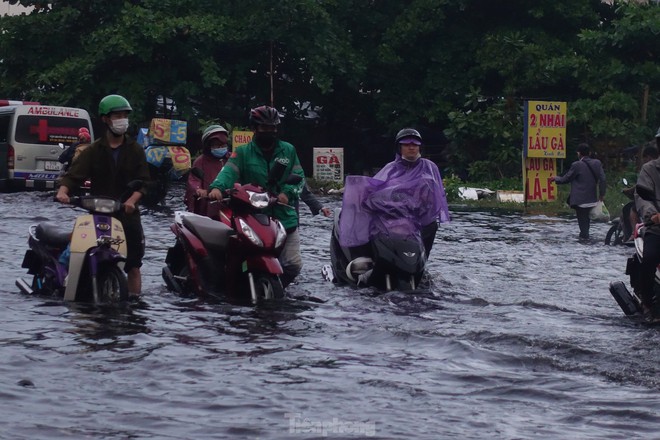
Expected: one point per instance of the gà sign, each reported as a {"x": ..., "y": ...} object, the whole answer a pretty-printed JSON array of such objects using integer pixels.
[
  {"x": 329, "y": 164},
  {"x": 544, "y": 141}
]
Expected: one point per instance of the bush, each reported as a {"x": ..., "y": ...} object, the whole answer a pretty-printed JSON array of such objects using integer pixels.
[
  {"x": 322, "y": 185},
  {"x": 451, "y": 184}
]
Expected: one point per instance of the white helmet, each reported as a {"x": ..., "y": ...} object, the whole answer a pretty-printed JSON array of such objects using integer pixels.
[{"x": 211, "y": 130}]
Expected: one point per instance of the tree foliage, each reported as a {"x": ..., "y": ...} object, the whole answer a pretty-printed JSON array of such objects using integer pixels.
[{"x": 365, "y": 67}]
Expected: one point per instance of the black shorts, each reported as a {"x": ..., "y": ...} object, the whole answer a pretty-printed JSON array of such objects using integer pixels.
[{"x": 134, "y": 239}]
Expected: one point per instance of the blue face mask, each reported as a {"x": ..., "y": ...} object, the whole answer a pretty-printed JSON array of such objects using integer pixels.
[{"x": 219, "y": 152}]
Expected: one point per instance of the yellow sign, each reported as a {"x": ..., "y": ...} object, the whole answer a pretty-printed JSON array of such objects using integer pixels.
[
  {"x": 168, "y": 131},
  {"x": 241, "y": 138},
  {"x": 545, "y": 129},
  {"x": 538, "y": 187},
  {"x": 180, "y": 158}
]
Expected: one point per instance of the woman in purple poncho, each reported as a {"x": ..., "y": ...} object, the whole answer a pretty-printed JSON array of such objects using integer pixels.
[{"x": 405, "y": 198}]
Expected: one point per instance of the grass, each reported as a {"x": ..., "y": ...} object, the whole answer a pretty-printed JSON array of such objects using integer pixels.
[{"x": 614, "y": 198}]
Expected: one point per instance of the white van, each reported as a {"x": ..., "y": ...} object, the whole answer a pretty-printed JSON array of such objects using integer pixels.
[{"x": 30, "y": 138}]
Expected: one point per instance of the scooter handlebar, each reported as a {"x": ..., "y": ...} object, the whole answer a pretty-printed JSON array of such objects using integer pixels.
[
  {"x": 225, "y": 197},
  {"x": 73, "y": 200}
]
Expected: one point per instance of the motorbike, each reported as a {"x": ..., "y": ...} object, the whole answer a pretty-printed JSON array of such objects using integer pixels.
[
  {"x": 85, "y": 264},
  {"x": 233, "y": 255},
  {"x": 631, "y": 302},
  {"x": 621, "y": 229},
  {"x": 385, "y": 263}
]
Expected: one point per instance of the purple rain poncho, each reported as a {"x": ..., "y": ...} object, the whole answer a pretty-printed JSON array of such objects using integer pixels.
[{"x": 398, "y": 201}]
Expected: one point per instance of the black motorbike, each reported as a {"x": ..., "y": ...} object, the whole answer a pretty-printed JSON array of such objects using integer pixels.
[
  {"x": 385, "y": 263},
  {"x": 621, "y": 230},
  {"x": 631, "y": 302}
]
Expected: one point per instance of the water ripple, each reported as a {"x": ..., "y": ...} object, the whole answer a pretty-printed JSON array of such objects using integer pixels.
[{"x": 517, "y": 337}]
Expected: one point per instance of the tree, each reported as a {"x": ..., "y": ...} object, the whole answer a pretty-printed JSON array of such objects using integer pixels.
[
  {"x": 366, "y": 67},
  {"x": 208, "y": 56},
  {"x": 620, "y": 77}
]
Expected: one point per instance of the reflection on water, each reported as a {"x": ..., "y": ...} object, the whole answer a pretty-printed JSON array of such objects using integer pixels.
[
  {"x": 104, "y": 328},
  {"x": 517, "y": 338}
]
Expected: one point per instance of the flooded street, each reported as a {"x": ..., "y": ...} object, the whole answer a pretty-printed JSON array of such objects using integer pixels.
[{"x": 519, "y": 339}]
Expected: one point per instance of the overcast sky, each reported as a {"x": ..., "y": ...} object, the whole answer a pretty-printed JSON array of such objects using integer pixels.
[{"x": 6, "y": 8}]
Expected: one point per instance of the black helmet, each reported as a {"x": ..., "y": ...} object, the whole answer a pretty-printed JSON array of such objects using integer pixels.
[
  {"x": 408, "y": 133},
  {"x": 264, "y": 115}
]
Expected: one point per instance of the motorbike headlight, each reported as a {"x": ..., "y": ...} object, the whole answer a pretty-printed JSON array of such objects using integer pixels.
[
  {"x": 100, "y": 205},
  {"x": 259, "y": 200},
  {"x": 249, "y": 233},
  {"x": 281, "y": 235}
]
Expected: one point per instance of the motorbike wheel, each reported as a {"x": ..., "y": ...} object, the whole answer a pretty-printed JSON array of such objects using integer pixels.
[
  {"x": 628, "y": 302},
  {"x": 614, "y": 235},
  {"x": 407, "y": 284},
  {"x": 112, "y": 285},
  {"x": 185, "y": 287},
  {"x": 268, "y": 287}
]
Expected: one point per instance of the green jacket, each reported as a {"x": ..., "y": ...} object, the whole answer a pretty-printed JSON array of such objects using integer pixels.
[
  {"x": 247, "y": 164},
  {"x": 107, "y": 177}
]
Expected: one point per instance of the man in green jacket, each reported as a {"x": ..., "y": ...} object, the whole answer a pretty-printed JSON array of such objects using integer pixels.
[
  {"x": 251, "y": 163},
  {"x": 111, "y": 162}
]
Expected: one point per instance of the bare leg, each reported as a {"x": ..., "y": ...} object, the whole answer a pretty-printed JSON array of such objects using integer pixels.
[{"x": 134, "y": 281}]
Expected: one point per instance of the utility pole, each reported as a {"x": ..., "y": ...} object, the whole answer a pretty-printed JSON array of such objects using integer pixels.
[
  {"x": 645, "y": 102},
  {"x": 272, "y": 96}
]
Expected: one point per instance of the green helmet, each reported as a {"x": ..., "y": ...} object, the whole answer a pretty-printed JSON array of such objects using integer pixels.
[{"x": 113, "y": 103}]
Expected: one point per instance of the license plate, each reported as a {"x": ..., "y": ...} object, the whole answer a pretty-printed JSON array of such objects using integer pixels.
[{"x": 51, "y": 165}]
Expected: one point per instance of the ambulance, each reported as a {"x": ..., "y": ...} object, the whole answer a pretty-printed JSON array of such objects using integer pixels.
[{"x": 32, "y": 137}]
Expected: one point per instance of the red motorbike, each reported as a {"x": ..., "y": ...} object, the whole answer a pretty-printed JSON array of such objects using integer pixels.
[{"x": 234, "y": 255}]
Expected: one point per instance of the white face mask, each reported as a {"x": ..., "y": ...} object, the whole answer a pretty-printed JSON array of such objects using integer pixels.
[
  {"x": 119, "y": 126},
  {"x": 411, "y": 159}
]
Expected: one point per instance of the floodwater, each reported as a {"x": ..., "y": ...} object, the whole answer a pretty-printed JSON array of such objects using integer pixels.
[{"x": 519, "y": 339}]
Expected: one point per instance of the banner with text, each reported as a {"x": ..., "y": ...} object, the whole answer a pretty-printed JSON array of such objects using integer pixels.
[
  {"x": 240, "y": 138},
  {"x": 329, "y": 164},
  {"x": 545, "y": 129},
  {"x": 538, "y": 187}
]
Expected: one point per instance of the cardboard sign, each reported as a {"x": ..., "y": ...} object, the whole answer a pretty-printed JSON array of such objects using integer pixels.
[
  {"x": 143, "y": 137},
  {"x": 168, "y": 131},
  {"x": 180, "y": 156}
]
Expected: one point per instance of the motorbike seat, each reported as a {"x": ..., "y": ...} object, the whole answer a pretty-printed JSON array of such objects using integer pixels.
[
  {"x": 214, "y": 234},
  {"x": 52, "y": 234}
]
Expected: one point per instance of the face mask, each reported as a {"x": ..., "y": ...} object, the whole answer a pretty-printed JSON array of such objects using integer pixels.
[
  {"x": 219, "y": 152},
  {"x": 265, "y": 140},
  {"x": 412, "y": 160},
  {"x": 119, "y": 126}
]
